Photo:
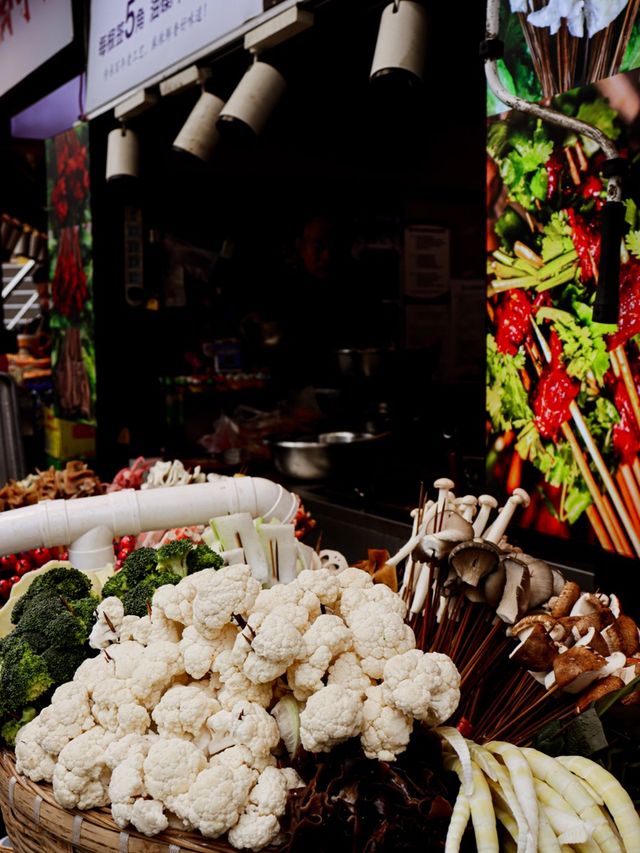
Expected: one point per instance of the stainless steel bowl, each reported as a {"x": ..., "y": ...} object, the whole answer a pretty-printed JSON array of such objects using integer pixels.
[{"x": 326, "y": 455}]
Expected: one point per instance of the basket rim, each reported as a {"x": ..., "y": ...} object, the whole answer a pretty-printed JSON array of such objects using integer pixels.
[{"x": 15, "y": 789}]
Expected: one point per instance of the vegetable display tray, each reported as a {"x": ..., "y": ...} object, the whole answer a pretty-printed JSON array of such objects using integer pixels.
[{"x": 37, "y": 824}]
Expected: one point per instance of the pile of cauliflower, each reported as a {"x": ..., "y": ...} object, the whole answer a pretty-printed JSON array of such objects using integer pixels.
[{"x": 170, "y": 723}]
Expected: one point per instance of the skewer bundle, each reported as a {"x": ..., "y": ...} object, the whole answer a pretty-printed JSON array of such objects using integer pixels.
[{"x": 563, "y": 61}]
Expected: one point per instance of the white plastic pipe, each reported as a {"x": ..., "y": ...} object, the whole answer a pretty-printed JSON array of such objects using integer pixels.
[{"x": 63, "y": 522}]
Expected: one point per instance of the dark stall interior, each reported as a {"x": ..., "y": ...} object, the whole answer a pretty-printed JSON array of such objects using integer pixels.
[{"x": 344, "y": 168}]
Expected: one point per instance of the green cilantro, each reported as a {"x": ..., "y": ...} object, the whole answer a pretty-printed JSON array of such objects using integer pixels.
[
  {"x": 600, "y": 114},
  {"x": 523, "y": 168},
  {"x": 557, "y": 237},
  {"x": 584, "y": 349},
  {"x": 632, "y": 242},
  {"x": 507, "y": 401}
]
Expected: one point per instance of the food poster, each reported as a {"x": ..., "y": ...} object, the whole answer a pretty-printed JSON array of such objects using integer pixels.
[
  {"x": 563, "y": 406},
  {"x": 553, "y": 46},
  {"x": 70, "y": 252}
]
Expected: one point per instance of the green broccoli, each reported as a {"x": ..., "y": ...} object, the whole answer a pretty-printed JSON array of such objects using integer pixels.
[
  {"x": 11, "y": 728},
  {"x": 138, "y": 600},
  {"x": 50, "y": 620},
  {"x": 85, "y": 610},
  {"x": 134, "y": 569},
  {"x": 202, "y": 557},
  {"x": 172, "y": 557},
  {"x": 23, "y": 675},
  {"x": 62, "y": 662},
  {"x": 71, "y": 584}
]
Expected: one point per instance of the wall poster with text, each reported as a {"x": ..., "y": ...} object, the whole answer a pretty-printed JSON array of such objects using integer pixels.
[
  {"x": 563, "y": 399},
  {"x": 71, "y": 274}
]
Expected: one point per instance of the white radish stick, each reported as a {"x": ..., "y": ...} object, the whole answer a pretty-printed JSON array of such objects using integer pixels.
[
  {"x": 497, "y": 530},
  {"x": 487, "y": 503}
]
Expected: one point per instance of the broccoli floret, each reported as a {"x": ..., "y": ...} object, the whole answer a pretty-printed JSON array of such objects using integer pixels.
[
  {"x": 85, "y": 611},
  {"x": 62, "y": 662},
  {"x": 202, "y": 557},
  {"x": 53, "y": 619},
  {"x": 138, "y": 600},
  {"x": 134, "y": 570},
  {"x": 11, "y": 728},
  {"x": 23, "y": 675},
  {"x": 172, "y": 557},
  {"x": 71, "y": 584}
]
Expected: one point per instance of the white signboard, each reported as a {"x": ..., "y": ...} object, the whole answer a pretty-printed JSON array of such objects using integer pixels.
[
  {"x": 31, "y": 31},
  {"x": 130, "y": 41}
]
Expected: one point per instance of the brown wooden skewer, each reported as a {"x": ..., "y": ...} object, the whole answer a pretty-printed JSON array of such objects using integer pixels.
[
  {"x": 629, "y": 488},
  {"x": 611, "y": 525},
  {"x": 599, "y": 528},
  {"x": 622, "y": 368},
  {"x": 595, "y": 455}
]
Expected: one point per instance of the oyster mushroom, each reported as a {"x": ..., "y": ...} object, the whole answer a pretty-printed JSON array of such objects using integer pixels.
[
  {"x": 515, "y": 598},
  {"x": 537, "y": 650},
  {"x": 541, "y": 580},
  {"x": 466, "y": 506},
  {"x": 566, "y": 599},
  {"x": 474, "y": 559},
  {"x": 494, "y": 585}
]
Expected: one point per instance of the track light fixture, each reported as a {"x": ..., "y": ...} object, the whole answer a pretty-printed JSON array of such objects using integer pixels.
[
  {"x": 254, "y": 99},
  {"x": 401, "y": 46},
  {"x": 122, "y": 154},
  {"x": 199, "y": 135}
]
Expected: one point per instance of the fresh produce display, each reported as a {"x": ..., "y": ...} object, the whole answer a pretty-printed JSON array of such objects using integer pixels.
[
  {"x": 246, "y": 687},
  {"x": 562, "y": 391},
  {"x": 75, "y": 480},
  {"x": 13, "y": 567},
  {"x": 52, "y": 622}
]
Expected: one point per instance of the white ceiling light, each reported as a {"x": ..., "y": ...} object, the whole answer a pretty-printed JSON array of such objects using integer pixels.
[
  {"x": 402, "y": 36},
  {"x": 122, "y": 154},
  {"x": 199, "y": 135},
  {"x": 255, "y": 97}
]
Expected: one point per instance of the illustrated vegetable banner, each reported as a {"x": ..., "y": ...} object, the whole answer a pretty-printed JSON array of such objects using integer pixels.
[
  {"x": 70, "y": 244},
  {"x": 562, "y": 391},
  {"x": 553, "y": 46}
]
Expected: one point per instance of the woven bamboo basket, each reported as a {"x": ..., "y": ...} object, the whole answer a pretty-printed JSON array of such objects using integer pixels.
[{"x": 37, "y": 824}]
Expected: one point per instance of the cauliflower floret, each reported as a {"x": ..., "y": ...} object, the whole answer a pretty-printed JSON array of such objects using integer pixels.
[
  {"x": 228, "y": 591},
  {"x": 424, "y": 685},
  {"x": 378, "y": 634},
  {"x": 171, "y": 767},
  {"x": 322, "y": 582},
  {"x": 199, "y": 654},
  {"x": 183, "y": 711},
  {"x": 247, "y": 724},
  {"x": 127, "y": 779},
  {"x": 106, "y": 630},
  {"x": 292, "y": 778},
  {"x": 123, "y": 748},
  {"x": 296, "y": 614},
  {"x": 123, "y": 659},
  {"x": 327, "y": 632},
  {"x": 216, "y": 799},
  {"x": 253, "y": 831},
  {"x": 269, "y": 796},
  {"x": 151, "y": 629},
  {"x": 31, "y": 759},
  {"x": 81, "y": 777},
  {"x": 160, "y": 663},
  {"x": 67, "y": 717},
  {"x": 260, "y": 670},
  {"x": 148, "y": 817},
  {"x": 175, "y": 601},
  {"x": 386, "y": 730},
  {"x": 291, "y": 594},
  {"x": 116, "y": 709},
  {"x": 91, "y": 671},
  {"x": 277, "y": 640},
  {"x": 354, "y": 598},
  {"x": 237, "y": 687},
  {"x": 353, "y": 579},
  {"x": 331, "y": 716},
  {"x": 347, "y": 671}
]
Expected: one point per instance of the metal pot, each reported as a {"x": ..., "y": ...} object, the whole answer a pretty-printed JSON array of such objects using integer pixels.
[{"x": 326, "y": 455}]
